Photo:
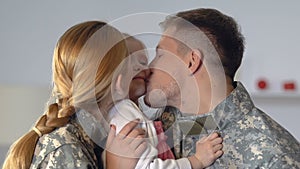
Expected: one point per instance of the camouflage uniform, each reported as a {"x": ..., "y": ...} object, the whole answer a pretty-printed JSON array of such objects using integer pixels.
[
  {"x": 67, "y": 147},
  {"x": 251, "y": 138}
]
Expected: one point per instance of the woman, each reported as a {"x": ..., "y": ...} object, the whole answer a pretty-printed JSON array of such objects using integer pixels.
[{"x": 83, "y": 64}]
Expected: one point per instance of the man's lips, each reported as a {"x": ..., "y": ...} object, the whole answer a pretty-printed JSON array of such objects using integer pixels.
[{"x": 139, "y": 77}]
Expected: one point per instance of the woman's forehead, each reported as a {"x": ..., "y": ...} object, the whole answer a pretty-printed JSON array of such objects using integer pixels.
[{"x": 134, "y": 44}]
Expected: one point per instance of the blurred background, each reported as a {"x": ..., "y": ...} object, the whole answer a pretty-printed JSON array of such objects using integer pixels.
[{"x": 30, "y": 29}]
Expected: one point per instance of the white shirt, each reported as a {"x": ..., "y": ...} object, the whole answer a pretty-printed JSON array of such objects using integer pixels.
[{"x": 126, "y": 111}]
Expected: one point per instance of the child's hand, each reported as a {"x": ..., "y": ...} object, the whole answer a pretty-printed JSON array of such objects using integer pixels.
[
  {"x": 208, "y": 149},
  {"x": 126, "y": 147}
]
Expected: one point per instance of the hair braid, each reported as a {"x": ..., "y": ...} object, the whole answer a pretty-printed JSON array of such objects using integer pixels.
[{"x": 21, "y": 152}]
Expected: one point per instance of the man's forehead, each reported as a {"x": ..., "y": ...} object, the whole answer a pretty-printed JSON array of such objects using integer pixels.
[{"x": 165, "y": 41}]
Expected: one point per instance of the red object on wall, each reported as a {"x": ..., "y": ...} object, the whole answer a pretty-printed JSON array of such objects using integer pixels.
[
  {"x": 262, "y": 84},
  {"x": 289, "y": 86}
]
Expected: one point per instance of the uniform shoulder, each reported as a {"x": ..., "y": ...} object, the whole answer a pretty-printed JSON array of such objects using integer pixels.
[
  {"x": 50, "y": 142},
  {"x": 71, "y": 155},
  {"x": 61, "y": 136},
  {"x": 266, "y": 130}
]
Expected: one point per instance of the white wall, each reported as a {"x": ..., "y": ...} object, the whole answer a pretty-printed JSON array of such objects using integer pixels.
[{"x": 29, "y": 30}]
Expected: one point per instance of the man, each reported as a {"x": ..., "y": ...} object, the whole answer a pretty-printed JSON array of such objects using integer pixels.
[{"x": 197, "y": 58}]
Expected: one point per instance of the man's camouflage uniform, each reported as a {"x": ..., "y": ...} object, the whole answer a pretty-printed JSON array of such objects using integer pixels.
[{"x": 251, "y": 138}]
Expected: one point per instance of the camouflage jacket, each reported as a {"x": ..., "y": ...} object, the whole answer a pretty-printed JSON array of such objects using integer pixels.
[
  {"x": 66, "y": 147},
  {"x": 252, "y": 139}
]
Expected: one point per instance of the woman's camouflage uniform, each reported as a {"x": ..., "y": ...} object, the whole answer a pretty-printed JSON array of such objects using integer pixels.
[{"x": 66, "y": 147}]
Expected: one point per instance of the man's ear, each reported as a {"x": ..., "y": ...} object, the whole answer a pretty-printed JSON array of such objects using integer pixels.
[{"x": 195, "y": 60}]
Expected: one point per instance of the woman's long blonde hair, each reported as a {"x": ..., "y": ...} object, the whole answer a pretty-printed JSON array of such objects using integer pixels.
[{"x": 84, "y": 61}]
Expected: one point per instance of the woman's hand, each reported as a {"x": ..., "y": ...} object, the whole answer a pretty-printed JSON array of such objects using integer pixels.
[{"x": 125, "y": 148}]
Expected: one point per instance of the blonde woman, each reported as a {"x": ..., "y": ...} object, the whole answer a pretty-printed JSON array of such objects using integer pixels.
[{"x": 84, "y": 60}]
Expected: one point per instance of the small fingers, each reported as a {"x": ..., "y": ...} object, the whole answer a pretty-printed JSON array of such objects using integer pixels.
[
  {"x": 217, "y": 147},
  {"x": 128, "y": 128},
  {"x": 140, "y": 149},
  {"x": 213, "y": 136},
  {"x": 111, "y": 135},
  {"x": 137, "y": 132},
  {"x": 136, "y": 142},
  {"x": 216, "y": 141},
  {"x": 218, "y": 153}
]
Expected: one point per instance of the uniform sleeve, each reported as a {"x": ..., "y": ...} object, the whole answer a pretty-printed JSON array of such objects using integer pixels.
[
  {"x": 67, "y": 156},
  {"x": 124, "y": 112}
]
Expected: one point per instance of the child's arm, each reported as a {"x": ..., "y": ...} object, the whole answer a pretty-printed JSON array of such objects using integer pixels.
[
  {"x": 121, "y": 114},
  {"x": 125, "y": 112},
  {"x": 208, "y": 149}
]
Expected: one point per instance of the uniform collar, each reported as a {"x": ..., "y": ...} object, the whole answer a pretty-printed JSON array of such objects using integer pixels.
[{"x": 231, "y": 109}]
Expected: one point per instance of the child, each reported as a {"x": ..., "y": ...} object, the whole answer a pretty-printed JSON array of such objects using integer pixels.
[{"x": 208, "y": 149}]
